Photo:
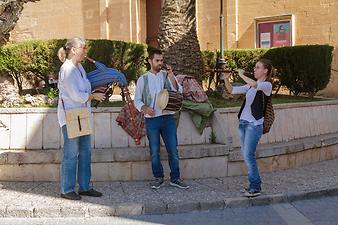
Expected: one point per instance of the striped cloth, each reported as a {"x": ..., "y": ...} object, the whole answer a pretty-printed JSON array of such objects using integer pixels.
[{"x": 104, "y": 76}]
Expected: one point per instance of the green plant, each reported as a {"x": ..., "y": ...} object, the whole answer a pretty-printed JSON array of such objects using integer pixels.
[
  {"x": 302, "y": 69},
  {"x": 52, "y": 92},
  {"x": 212, "y": 138}
]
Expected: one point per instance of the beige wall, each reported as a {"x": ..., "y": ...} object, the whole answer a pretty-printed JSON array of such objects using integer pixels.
[
  {"x": 208, "y": 18},
  {"x": 48, "y": 19}
]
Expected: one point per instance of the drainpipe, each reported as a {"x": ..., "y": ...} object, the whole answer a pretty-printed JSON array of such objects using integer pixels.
[
  {"x": 137, "y": 20},
  {"x": 107, "y": 20},
  {"x": 236, "y": 28},
  {"x": 221, "y": 60},
  {"x": 130, "y": 22}
]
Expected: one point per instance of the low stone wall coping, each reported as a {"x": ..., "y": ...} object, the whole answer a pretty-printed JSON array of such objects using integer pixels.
[
  {"x": 268, "y": 150},
  {"x": 118, "y": 109},
  {"x": 111, "y": 155}
]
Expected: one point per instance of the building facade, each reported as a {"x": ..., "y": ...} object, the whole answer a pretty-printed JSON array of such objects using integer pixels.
[{"x": 247, "y": 23}]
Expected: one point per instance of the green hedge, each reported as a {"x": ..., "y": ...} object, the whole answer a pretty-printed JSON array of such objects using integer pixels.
[
  {"x": 299, "y": 68},
  {"x": 37, "y": 60},
  {"x": 302, "y": 69},
  {"x": 235, "y": 58}
]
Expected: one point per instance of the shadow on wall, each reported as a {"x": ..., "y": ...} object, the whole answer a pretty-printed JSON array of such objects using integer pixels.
[
  {"x": 331, "y": 89},
  {"x": 246, "y": 39}
]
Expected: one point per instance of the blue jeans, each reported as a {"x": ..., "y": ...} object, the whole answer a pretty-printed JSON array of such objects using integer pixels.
[
  {"x": 166, "y": 127},
  {"x": 76, "y": 152},
  {"x": 249, "y": 135}
]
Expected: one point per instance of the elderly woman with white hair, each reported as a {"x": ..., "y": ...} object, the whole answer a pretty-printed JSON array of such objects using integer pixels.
[{"x": 75, "y": 92}]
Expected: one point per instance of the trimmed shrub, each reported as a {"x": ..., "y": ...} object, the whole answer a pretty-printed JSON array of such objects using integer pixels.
[
  {"x": 126, "y": 57},
  {"x": 237, "y": 58},
  {"x": 37, "y": 60},
  {"x": 302, "y": 69}
]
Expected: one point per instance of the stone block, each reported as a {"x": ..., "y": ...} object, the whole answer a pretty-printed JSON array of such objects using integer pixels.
[
  {"x": 237, "y": 202},
  {"x": 323, "y": 153},
  {"x": 331, "y": 152},
  {"x": 204, "y": 167},
  {"x": 307, "y": 154},
  {"x": 34, "y": 131},
  {"x": 207, "y": 134},
  {"x": 182, "y": 207},
  {"x": 103, "y": 155},
  {"x": 30, "y": 172},
  {"x": 18, "y": 132},
  {"x": 4, "y": 157},
  {"x": 129, "y": 209},
  {"x": 51, "y": 132},
  {"x": 100, "y": 171},
  {"x": 141, "y": 171},
  {"x": 19, "y": 211},
  {"x": 131, "y": 154},
  {"x": 315, "y": 155},
  {"x": 120, "y": 171},
  {"x": 33, "y": 157},
  {"x": 102, "y": 130},
  {"x": 118, "y": 136},
  {"x": 235, "y": 155},
  {"x": 131, "y": 142},
  {"x": 237, "y": 168},
  {"x": 196, "y": 137},
  {"x": 279, "y": 162},
  {"x": 265, "y": 164},
  {"x": 45, "y": 172},
  {"x": 299, "y": 159},
  {"x": 211, "y": 205},
  {"x": 185, "y": 124},
  {"x": 101, "y": 211},
  {"x": 5, "y": 132},
  {"x": 45, "y": 211},
  {"x": 291, "y": 160},
  {"x": 73, "y": 211}
]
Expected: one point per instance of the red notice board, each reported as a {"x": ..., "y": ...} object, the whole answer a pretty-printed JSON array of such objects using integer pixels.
[{"x": 273, "y": 34}]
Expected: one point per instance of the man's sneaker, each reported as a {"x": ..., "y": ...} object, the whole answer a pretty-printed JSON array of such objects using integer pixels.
[
  {"x": 179, "y": 183},
  {"x": 252, "y": 193},
  {"x": 244, "y": 190},
  {"x": 71, "y": 196},
  {"x": 157, "y": 183}
]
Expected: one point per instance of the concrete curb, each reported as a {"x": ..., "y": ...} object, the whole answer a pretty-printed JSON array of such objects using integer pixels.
[{"x": 128, "y": 209}]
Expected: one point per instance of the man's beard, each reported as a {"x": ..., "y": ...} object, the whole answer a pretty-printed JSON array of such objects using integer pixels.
[{"x": 157, "y": 69}]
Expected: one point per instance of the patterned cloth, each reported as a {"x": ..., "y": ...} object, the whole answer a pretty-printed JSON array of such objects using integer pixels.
[{"x": 132, "y": 122}]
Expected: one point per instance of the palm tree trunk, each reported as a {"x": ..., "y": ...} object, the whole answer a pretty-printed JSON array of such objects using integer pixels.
[
  {"x": 10, "y": 11},
  {"x": 178, "y": 37}
]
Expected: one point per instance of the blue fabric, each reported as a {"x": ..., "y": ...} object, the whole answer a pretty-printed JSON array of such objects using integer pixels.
[
  {"x": 166, "y": 127},
  {"x": 76, "y": 151},
  {"x": 103, "y": 76},
  {"x": 249, "y": 135}
]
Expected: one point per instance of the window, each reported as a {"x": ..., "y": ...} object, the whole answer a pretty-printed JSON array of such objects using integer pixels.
[{"x": 273, "y": 32}]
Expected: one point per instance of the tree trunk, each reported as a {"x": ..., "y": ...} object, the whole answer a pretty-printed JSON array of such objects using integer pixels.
[
  {"x": 10, "y": 11},
  {"x": 178, "y": 37}
]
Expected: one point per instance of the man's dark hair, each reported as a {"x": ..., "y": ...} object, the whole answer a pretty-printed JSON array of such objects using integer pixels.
[{"x": 153, "y": 52}]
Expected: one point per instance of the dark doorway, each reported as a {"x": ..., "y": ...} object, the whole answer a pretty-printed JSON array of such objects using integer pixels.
[{"x": 153, "y": 15}]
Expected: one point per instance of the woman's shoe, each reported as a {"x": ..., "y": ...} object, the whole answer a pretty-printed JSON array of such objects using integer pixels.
[
  {"x": 71, "y": 196},
  {"x": 91, "y": 193}
]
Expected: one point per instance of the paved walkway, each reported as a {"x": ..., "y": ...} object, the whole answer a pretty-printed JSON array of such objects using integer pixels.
[{"x": 41, "y": 199}]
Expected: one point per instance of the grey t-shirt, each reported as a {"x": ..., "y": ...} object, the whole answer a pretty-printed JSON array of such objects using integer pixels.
[{"x": 250, "y": 93}]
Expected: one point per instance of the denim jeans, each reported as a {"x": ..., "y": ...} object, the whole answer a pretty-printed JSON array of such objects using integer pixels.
[
  {"x": 166, "y": 127},
  {"x": 76, "y": 152},
  {"x": 249, "y": 135}
]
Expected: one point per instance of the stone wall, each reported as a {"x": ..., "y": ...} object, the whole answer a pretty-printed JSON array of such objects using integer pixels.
[
  {"x": 37, "y": 128},
  {"x": 302, "y": 134}
]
